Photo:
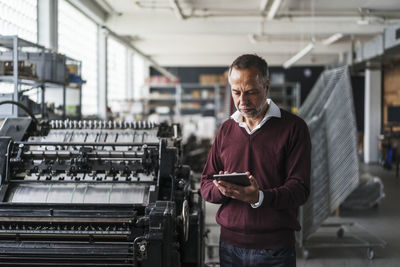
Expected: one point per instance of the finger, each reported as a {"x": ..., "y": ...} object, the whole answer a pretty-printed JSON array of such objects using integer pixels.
[
  {"x": 235, "y": 192},
  {"x": 221, "y": 172},
  {"x": 251, "y": 178},
  {"x": 225, "y": 192},
  {"x": 217, "y": 184},
  {"x": 253, "y": 181},
  {"x": 222, "y": 189},
  {"x": 225, "y": 184},
  {"x": 225, "y": 172}
]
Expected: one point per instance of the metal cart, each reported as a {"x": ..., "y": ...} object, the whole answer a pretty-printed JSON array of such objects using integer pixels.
[{"x": 342, "y": 235}]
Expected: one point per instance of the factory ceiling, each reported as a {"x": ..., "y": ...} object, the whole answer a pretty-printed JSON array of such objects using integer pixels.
[{"x": 214, "y": 32}]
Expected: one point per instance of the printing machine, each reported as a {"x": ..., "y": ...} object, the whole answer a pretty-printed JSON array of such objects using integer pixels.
[{"x": 100, "y": 193}]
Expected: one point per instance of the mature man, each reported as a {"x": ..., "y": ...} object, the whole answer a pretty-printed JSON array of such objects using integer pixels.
[{"x": 273, "y": 146}]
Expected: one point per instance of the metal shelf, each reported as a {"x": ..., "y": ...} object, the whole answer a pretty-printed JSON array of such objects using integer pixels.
[
  {"x": 286, "y": 95},
  {"x": 188, "y": 111},
  {"x": 196, "y": 100},
  {"x": 7, "y": 41},
  {"x": 24, "y": 81},
  {"x": 16, "y": 53},
  {"x": 162, "y": 100},
  {"x": 181, "y": 93},
  {"x": 31, "y": 81}
]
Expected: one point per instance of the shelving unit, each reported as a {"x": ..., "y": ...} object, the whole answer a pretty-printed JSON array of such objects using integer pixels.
[
  {"x": 187, "y": 99},
  {"x": 34, "y": 71},
  {"x": 286, "y": 95},
  {"x": 71, "y": 101}
]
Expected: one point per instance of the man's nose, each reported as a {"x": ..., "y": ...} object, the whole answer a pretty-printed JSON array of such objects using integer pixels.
[{"x": 243, "y": 98}]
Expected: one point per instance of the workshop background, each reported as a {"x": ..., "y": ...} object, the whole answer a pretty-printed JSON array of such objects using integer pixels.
[{"x": 157, "y": 71}]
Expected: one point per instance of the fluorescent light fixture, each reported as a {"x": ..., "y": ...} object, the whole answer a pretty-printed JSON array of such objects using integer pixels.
[
  {"x": 303, "y": 52},
  {"x": 363, "y": 21},
  {"x": 263, "y": 5},
  {"x": 274, "y": 8},
  {"x": 333, "y": 38},
  {"x": 177, "y": 9}
]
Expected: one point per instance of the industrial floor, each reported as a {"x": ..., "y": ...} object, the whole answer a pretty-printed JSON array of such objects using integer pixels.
[{"x": 382, "y": 222}]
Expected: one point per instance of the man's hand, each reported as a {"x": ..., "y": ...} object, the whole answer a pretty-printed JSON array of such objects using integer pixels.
[{"x": 249, "y": 194}]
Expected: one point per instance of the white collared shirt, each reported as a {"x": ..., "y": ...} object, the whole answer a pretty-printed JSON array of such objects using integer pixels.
[{"x": 273, "y": 111}]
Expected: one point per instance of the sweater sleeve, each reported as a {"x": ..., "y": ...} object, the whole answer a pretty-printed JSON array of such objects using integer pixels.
[
  {"x": 208, "y": 190},
  {"x": 296, "y": 188}
]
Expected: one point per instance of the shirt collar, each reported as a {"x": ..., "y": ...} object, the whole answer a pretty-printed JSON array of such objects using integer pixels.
[{"x": 273, "y": 111}]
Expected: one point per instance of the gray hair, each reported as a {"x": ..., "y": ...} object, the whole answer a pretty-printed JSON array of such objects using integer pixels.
[{"x": 248, "y": 61}]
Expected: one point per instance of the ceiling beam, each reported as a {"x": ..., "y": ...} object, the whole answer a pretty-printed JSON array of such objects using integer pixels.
[
  {"x": 144, "y": 25},
  {"x": 274, "y": 9},
  {"x": 224, "y": 60},
  {"x": 177, "y": 9},
  {"x": 91, "y": 9}
]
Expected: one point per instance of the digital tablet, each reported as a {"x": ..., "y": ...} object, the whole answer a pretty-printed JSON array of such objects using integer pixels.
[{"x": 234, "y": 178}]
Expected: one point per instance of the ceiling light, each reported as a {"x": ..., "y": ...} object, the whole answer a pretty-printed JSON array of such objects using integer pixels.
[
  {"x": 333, "y": 38},
  {"x": 274, "y": 8},
  {"x": 370, "y": 20},
  {"x": 303, "y": 52},
  {"x": 362, "y": 21},
  {"x": 263, "y": 5}
]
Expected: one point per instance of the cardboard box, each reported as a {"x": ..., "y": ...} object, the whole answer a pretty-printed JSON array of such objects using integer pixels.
[
  {"x": 211, "y": 79},
  {"x": 196, "y": 94},
  {"x": 72, "y": 69},
  {"x": 223, "y": 78},
  {"x": 208, "y": 79}
]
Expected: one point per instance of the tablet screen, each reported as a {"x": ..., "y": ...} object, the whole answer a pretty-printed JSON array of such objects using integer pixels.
[{"x": 235, "y": 178}]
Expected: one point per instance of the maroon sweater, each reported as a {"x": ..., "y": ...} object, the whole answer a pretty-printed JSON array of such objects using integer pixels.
[{"x": 278, "y": 156}]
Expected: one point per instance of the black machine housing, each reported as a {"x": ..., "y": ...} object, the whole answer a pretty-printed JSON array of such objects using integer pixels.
[{"x": 97, "y": 193}]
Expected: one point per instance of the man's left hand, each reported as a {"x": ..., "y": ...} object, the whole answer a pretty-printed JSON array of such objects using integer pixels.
[{"x": 249, "y": 194}]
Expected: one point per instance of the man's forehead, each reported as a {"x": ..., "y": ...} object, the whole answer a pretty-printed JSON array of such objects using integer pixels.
[
  {"x": 250, "y": 73},
  {"x": 252, "y": 69},
  {"x": 244, "y": 76}
]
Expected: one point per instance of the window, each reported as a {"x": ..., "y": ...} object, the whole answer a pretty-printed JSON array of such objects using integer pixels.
[
  {"x": 19, "y": 17},
  {"x": 140, "y": 73},
  {"x": 78, "y": 39},
  {"x": 116, "y": 74}
]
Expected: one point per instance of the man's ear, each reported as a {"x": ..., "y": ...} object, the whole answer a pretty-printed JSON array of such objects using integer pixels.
[{"x": 266, "y": 86}]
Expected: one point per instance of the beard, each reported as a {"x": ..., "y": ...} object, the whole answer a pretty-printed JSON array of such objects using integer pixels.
[{"x": 251, "y": 112}]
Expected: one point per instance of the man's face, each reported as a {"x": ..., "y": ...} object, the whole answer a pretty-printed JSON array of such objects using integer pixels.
[{"x": 248, "y": 92}]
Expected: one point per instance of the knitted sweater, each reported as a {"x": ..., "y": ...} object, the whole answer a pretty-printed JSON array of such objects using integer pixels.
[{"x": 278, "y": 155}]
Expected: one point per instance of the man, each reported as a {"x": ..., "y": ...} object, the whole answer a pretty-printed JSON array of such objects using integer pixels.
[{"x": 273, "y": 146}]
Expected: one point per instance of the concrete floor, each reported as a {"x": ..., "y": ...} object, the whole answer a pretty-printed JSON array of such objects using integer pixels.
[{"x": 382, "y": 221}]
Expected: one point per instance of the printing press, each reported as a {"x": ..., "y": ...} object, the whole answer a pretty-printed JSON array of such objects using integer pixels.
[{"x": 97, "y": 193}]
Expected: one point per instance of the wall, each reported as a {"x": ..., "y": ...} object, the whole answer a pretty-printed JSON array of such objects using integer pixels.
[
  {"x": 391, "y": 88},
  {"x": 358, "y": 85}
]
